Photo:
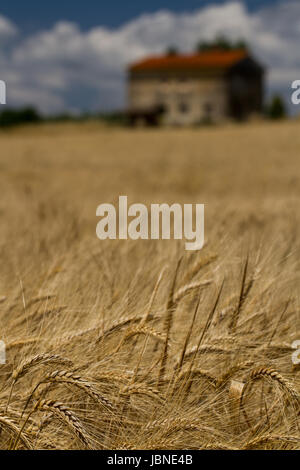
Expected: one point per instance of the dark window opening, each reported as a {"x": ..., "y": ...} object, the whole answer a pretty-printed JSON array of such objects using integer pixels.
[
  {"x": 208, "y": 109},
  {"x": 207, "y": 115},
  {"x": 183, "y": 107}
]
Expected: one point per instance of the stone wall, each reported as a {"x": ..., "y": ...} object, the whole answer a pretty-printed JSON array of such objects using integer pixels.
[{"x": 186, "y": 100}]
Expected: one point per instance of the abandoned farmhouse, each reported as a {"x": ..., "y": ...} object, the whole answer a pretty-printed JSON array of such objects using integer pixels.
[{"x": 209, "y": 86}]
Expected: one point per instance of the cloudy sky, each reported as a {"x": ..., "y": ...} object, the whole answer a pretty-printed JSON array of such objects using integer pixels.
[{"x": 72, "y": 55}]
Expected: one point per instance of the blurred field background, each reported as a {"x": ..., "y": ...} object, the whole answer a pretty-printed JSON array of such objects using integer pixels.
[{"x": 135, "y": 380}]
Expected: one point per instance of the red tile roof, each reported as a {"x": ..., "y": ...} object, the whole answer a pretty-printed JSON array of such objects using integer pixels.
[{"x": 207, "y": 59}]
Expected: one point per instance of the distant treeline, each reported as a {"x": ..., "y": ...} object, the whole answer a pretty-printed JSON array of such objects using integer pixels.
[
  {"x": 14, "y": 117},
  {"x": 220, "y": 42},
  {"x": 275, "y": 109},
  {"x": 11, "y": 117}
]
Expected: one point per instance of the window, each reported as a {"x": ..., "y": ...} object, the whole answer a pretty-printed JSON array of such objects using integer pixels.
[
  {"x": 207, "y": 112},
  {"x": 208, "y": 109},
  {"x": 183, "y": 107}
]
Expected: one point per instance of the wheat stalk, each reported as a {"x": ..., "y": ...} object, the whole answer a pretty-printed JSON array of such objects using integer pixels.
[
  {"x": 273, "y": 375},
  {"x": 63, "y": 376},
  {"x": 188, "y": 288},
  {"x": 269, "y": 438},
  {"x": 34, "y": 361},
  {"x": 6, "y": 422},
  {"x": 67, "y": 416}
]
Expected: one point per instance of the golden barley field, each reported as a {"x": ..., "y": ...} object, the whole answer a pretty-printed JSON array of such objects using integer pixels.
[{"x": 141, "y": 344}]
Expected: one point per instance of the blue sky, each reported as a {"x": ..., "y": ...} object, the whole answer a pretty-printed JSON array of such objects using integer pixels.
[
  {"x": 32, "y": 15},
  {"x": 73, "y": 55}
]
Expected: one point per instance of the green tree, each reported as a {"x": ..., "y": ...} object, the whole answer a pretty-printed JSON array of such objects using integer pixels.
[
  {"x": 13, "y": 117},
  {"x": 222, "y": 43},
  {"x": 172, "y": 50},
  {"x": 276, "y": 108}
]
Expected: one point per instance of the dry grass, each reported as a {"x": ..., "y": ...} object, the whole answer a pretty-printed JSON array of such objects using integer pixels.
[{"x": 118, "y": 344}]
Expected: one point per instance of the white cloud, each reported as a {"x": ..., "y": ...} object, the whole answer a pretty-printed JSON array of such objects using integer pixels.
[
  {"x": 67, "y": 68},
  {"x": 7, "y": 28}
]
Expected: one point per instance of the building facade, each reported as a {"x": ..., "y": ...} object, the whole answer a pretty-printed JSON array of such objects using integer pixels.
[{"x": 211, "y": 86}]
